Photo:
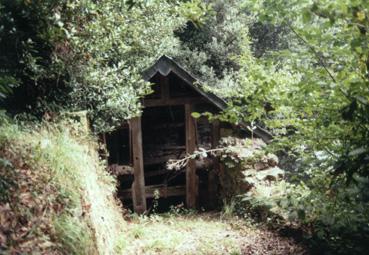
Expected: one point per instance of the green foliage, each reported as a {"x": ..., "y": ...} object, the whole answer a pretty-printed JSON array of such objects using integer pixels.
[
  {"x": 196, "y": 11},
  {"x": 180, "y": 209},
  {"x": 334, "y": 216},
  {"x": 332, "y": 213},
  {"x": 116, "y": 45},
  {"x": 337, "y": 213},
  {"x": 7, "y": 83},
  {"x": 298, "y": 68},
  {"x": 84, "y": 55},
  {"x": 314, "y": 94},
  {"x": 209, "y": 50},
  {"x": 196, "y": 115},
  {"x": 74, "y": 236}
]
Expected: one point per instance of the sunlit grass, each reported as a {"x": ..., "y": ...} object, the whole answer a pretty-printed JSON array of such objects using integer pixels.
[{"x": 181, "y": 234}]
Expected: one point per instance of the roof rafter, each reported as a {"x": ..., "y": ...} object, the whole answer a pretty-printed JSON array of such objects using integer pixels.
[{"x": 165, "y": 65}]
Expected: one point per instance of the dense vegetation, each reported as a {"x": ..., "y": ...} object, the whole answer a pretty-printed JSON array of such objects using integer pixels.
[
  {"x": 298, "y": 68},
  {"x": 52, "y": 191}
]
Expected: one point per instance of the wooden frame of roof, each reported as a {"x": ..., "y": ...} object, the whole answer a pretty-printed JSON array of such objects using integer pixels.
[
  {"x": 162, "y": 72},
  {"x": 165, "y": 65}
]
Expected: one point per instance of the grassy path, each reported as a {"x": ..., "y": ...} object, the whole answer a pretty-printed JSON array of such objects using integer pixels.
[{"x": 202, "y": 234}]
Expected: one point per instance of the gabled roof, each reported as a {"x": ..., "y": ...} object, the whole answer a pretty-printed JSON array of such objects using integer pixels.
[{"x": 165, "y": 65}]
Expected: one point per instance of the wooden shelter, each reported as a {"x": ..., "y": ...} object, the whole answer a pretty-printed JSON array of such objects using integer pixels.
[{"x": 139, "y": 150}]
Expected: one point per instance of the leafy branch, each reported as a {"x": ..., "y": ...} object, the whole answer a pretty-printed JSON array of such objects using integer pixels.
[{"x": 178, "y": 164}]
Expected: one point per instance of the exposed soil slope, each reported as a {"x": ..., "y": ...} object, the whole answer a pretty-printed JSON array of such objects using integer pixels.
[{"x": 55, "y": 197}]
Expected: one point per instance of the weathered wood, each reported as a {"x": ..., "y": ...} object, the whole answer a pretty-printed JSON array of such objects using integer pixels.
[
  {"x": 121, "y": 169},
  {"x": 158, "y": 159},
  {"x": 172, "y": 101},
  {"x": 164, "y": 82},
  {"x": 191, "y": 178},
  {"x": 165, "y": 147},
  {"x": 215, "y": 133},
  {"x": 166, "y": 65},
  {"x": 138, "y": 185},
  {"x": 212, "y": 177},
  {"x": 164, "y": 191}
]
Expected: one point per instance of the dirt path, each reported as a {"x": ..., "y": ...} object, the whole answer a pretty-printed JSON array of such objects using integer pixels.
[{"x": 202, "y": 234}]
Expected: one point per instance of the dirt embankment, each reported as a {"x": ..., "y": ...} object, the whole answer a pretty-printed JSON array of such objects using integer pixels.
[{"x": 55, "y": 196}]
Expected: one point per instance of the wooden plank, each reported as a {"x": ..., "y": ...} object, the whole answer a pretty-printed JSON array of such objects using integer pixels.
[
  {"x": 215, "y": 133},
  {"x": 191, "y": 177},
  {"x": 138, "y": 185},
  {"x": 130, "y": 144},
  {"x": 213, "y": 174},
  {"x": 162, "y": 159},
  {"x": 164, "y": 191},
  {"x": 164, "y": 82},
  {"x": 173, "y": 101},
  {"x": 165, "y": 147},
  {"x": 121, "y": 169}
]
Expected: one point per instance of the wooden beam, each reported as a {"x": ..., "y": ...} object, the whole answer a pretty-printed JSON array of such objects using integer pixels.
[
  {"x": 121, "y": 169},
  {"x": 138, "y": 185},
  {"x": 173, "y": 101},
  {"x": 215, "y": 133},
  {"x": 164, "y": 82},
  {"x": 191, "y": 177},
  {"x": 164, "y": 191},
  {"x": 162, "y": 159},
  {"x": 214, "y": 173}
]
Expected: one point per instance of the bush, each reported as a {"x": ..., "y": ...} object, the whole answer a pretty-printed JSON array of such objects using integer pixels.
[
  {"x": 336, "y": 213},
  {"x": 333, "y": 214}
]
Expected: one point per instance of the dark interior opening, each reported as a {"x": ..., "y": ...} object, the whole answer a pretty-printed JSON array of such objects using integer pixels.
[
  {"x": 164, "y": 138},
  {"x": 118, "y": 146},
  {"x": 179, "y": 88}
]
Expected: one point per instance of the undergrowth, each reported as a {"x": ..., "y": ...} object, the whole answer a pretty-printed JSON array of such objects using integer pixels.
[{"x": 49, "y": 183}]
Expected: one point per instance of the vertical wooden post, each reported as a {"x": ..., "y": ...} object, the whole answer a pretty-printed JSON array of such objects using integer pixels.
[
  {"x": 191, "y": 178},
  {"x": 164, "y": 82},
  {"x": 212, "y": 177},
  {"x": 138, "y": 185}
]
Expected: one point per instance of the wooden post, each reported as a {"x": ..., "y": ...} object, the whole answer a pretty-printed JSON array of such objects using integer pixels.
[
  {"x": 138, "y": 185},
  {"x": 212, "y": 177},
  {"x": 191, "y": 178},
  {"x": 164, "y": 82}
]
